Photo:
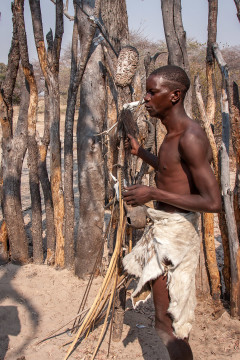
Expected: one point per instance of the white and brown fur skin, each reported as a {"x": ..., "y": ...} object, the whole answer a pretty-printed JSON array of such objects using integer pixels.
[{"x": 173, "y": 237}]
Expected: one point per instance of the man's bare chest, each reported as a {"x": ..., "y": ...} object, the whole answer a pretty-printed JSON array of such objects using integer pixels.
[{"x": 169, "y": 159}]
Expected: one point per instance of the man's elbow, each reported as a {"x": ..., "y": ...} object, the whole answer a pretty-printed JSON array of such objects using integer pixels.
[{"x": 216, "y": 206}]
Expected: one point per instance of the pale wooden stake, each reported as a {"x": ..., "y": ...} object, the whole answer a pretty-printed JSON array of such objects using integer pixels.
[{"x": 226, "y": 189}]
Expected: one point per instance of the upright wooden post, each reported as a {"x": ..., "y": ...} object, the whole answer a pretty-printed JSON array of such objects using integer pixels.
[
  {"x": 123, "y": 78},
  {"x": 49, "y": 62},
  {"x": 32, "y": 143},
  {"x": 176, "y": 41},
  {"x": 208, "y": 219},
  {"x": 227, "y": 195},
  {"x": 13, "y": 151},
  {"x": 3, "y": 243},
  {"x": 235, "y": 125}
]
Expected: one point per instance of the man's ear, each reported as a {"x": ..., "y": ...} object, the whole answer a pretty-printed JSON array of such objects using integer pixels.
[{"x": 176, "y": 95}]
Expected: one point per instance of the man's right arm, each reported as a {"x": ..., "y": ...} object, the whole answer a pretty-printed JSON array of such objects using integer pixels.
[
  {"x": 148, "y": 157},
  {"x": 138, "y": 150}
]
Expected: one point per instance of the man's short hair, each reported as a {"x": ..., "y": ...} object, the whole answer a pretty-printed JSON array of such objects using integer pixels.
[{"x": 175, "y": 76}]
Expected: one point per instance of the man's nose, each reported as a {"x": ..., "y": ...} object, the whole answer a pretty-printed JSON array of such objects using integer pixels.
[{"x": 147, "y": 97}]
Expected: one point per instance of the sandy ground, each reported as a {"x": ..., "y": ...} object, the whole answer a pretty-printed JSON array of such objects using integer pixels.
[{"x": 34, "y": 300}]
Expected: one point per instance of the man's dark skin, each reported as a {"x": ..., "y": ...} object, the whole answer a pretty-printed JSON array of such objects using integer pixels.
[{"x": 184, "y": 179}]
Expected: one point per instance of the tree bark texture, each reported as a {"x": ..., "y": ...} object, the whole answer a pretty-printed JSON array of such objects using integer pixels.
[
  {"x": 226, "y": 251},
  {"x": 212, "y": 36},
  {"x": 3, "y": 243},
  {"x": 117, "y": 27},
  {"x": 202, "y": 280},
  {"x": 77, "y": 71},
  {"x": 69, "y": 251},
  {"x": 210, "y": 114},
  {"x": 50, "y": 67},
  {"x": 235, "y": 126},
  {"x": 208, "y": 226},
  {"x": 11, "y": 74},
  {"x": 206, "y": 123},
  {"x": 43, "y": 146},
  {"x": 226, "y": 271},
  {"x": 176, "y": 41},
  {"x": 227, "y": 196},
  {"x": 90, "y": 163},
  {"x": 232, "y": 235},
  {"x": 45, "y": 183},
  {"x": 115, "y": 20},
  {"x": 32, "y": 143},
  {"x": 13, "y": 151},
  {"x": 237, "y": 3},
  {"x": 119, "y": 305}
]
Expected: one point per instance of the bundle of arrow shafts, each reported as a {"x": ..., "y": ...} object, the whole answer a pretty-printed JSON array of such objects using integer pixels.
[{"x": 104, "y": 300}]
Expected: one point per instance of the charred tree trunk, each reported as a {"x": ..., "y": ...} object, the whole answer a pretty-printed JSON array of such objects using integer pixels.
[
  {"x": 237, "y": 3},
  {"x": 68, "y": 156},
  {"x": 176, "y": 41},
  {"x": 90, "y": 164},
  {"x": 13, "y": 155},
  {"x": 13, "y": 151},
  {"x": 116, "y": 25},
  {"x": 227, "y": 196},
  {"x": 212, "y": 35},
  {"x": 45, "y": 183},
  {"x": 32, "y": 143},
  {"x": 119, "y": 93},
  {"x": 114, "y": 15},
  {"x": 50, "y": 68},
  {"x": 211, "y": 107},
  {"x": 77, "y": 71},
  {"x": 235, "y": 125},
  {"x": 208, "y": 219},
  {"x": 3, "y": 243}
]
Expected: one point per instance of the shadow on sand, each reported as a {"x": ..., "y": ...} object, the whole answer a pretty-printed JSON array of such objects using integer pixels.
[
  {"x": 140, "y": 322},
  {"x": 9, "y": 319}
]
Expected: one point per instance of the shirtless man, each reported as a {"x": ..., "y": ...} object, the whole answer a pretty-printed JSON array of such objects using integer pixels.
[{"x": 184, "y": 178}]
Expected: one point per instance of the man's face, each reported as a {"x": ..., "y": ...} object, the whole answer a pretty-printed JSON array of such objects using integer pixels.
[{"x": 158, "y": 96}]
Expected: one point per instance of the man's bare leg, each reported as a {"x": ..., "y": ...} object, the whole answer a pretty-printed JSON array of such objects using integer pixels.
[{"x": 178, "y": 349}]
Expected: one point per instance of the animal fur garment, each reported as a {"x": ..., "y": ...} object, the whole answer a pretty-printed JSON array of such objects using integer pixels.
[{"x": 173, "y": 237}]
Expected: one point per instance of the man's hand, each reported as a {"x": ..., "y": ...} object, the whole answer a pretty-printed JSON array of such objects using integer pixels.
[
  {"x": 137, "y": 195},
  {"x": 132, "y": 143}
]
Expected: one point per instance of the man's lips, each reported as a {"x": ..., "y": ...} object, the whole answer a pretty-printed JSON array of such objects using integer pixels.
[{"x": 148, "y": 108}]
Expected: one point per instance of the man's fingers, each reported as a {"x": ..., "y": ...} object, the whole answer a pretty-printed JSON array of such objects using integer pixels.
[
  {"x": 130, "y": 136},
  {"x": 132, "y": 187},
  {"x": 127, "y": 144},
  {"x": 132, "y": 202},
  {"x": 126, "y": 195}
]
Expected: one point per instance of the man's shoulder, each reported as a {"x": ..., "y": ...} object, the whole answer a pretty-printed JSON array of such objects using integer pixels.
[
  {"x": 193, "y": 133},
  {"x": 194, "y": 141}
]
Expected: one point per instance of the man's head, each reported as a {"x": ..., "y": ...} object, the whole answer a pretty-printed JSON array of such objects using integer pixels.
[
  {"x": 176, "y": 78},
  {"x": 166, "y": 88}
]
